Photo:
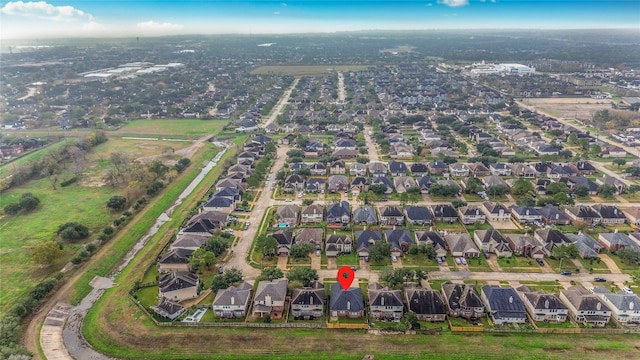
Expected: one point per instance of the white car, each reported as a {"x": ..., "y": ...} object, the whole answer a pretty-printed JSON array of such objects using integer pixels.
[
  {"x": 458, "y": 261},
  {"x": 627, "y": 290},
  {"x": 287, "y": 200},
  {"x": 463, "y": 261}
]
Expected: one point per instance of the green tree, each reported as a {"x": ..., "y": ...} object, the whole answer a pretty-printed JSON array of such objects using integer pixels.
[
  {"x": 595, "y": 149},
  {"x": 378, "y": 189},
  {"x": 522, "y": 187},
  {"x": 629, "y": 255},
  {"x": 117, "y": 203},
  {"x": 270, "y": 274},
  {"x": 230, "y": 277},
  {"x": 581, "y": 191},
  {"x": 526, "y": 200},
  {"x": 566, "y": 251},
  {"x": 496, "y": 190},
  {"x": 379, "y": 251},
  {"x": 12, "y": 209},
  {"x": 390, "y": 277},
  {"x": 267, "y": 244},
  {"x": 606, "y": 190},
  {"x": 201, "y": 259},
  {"x": 72, "y": 231},
  {"x": 458, "y": 203},
  {"x": 301, "y": 251},
  {"x": 46, "y": 253},
  {"x": 304, "y": 275},
  {"x": 473, "y": 186},
  {"x": 619, "y": 162},
  {"x": 217, "y": 245},
  {"x": 556, "y": 187}
]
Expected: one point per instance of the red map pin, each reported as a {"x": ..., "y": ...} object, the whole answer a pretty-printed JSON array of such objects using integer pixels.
[{"x": 345, "y": 277}]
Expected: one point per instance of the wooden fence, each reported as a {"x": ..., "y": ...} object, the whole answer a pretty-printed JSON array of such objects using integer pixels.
[{"x": 347, "y": 326}]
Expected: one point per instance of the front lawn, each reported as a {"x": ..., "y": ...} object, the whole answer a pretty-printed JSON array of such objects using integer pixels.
[
  {"x": 348, "y": 259},
  {"x": 478, "y": 264}
]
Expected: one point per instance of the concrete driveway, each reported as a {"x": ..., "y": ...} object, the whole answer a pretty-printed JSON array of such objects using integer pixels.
[{"x": 613, "y": 267}]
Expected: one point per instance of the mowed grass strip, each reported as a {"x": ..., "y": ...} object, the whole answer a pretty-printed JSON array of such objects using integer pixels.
[
  {"x": 171, "y": 128},
  {"x": 21, "y": 233},
  {"x": 301, "y": 70},
  {"x": 139, "y": 226}
]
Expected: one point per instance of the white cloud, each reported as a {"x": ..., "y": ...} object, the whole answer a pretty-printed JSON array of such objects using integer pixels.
[
  {"x": 429, "y": 4},
  {"x": 154, "y": 26},
  {"x": 454, "y": 3},
  {"x": 284, "y": 4},
  {"x": 276, "y": 13},
  {"x": 43, "y": 10},
  {"x": 93, "y": 26}
]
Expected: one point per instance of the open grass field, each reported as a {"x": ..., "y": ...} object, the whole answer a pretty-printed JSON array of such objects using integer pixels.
[
  {"x": 574, "y": 108},
  {"x": 305, "y": 70},
  {"x": 33, "y": 156},
  {"x": 177, "y": 128},
  {"x": 21, "y": 233}
]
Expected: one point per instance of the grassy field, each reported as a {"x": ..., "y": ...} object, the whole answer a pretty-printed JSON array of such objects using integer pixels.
[
  {"x": 34, "y": 156},
  {"x": 21, "y": 233},
  {"x": 302, "y": 70},
  {"x": 177, "y": 128}
]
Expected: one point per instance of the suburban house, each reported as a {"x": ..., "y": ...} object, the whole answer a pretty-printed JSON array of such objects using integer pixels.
[
  {"x": 318, "y": 168},
  {"x": 444, "y": 213},
  {"x": 385, "y": 303},
  {"x": 397, "y": 168},
  {"x": 613, "y": 151},
  {"x": 542, "y": 306},
  {"x": 551, "y": 215},
  {"x": 365, "y": 214},
  {"x": 463, "y": 301},
  {"x": 577, "y": 181},
  {"x": 616, "y": 241},
  {"x": 496, "y": 211},
  {"x": 377, "y": 169},
  {"x": 189, "y": 242},
  {"x": 285, "y": 240},
  {"x": 169, "y": 309},
  {"x": 366, "y": 238},
  {"x": 524, "y": 171},
  {"x": 585, "y": 168},
  {"x": 633, "y": 214},
  {"x": 583, "y": 214},
  {"x": 338, "y": 167},
  {"x": 437, "y": 167},
  {"x": 551, "y": 238},
  {"x": 478, "y": 169},
  {"x": 625, "y": 308},
  {"x": 613, "y": 181},
  {"x": 232, "y": 302},
  {"x": 338, "y": 183},
  {"x": 403, "y": 183},
  {"x": 585, "y": 307},
  {"x": 493, "y": 180},
  {"x": 588, "y": 247},
  {"x": 349, "y": 303},
  {"x": 312, "y": 214},
  {"x": 338, "y": 244},
  {"x": 338, "y": 214},
  {"x": 418, "y": 169},
  {"x": 492, "y": 241},
  {"x": 424, "y": 183},
  {"x": 293, "y": 182},
  {"x": 178, "y": 286},
  {"x": 500, "y": 169},
  {"x": 504, "y": 305},
  {"x": 391, "y": 215},
  {"x": 610, "y": 214},
  {"x": 287, "y": 215},
  {"x": 525, "y": 214},
  {"x": 270, "y": 298},
  {"x": 315, "y": 185},
  {"x": 418, "y": 215},
  {"x": 461, "y": 245},
  {"x": 400, "y": 241},
  {"x": 359, "y": 184},
  {"x": 526, "y": 245},
  {"x": 458, "y": 169},
  {"x": 426, "y": 304},
  {"x": 357, "y": 169},
  {"x": 471, "y": 215},
  {"x": 383, "y": 179},
  {"x": 308, "y": 302},
  {"x": 175, "y": 260},
  {"x": 434, "y": 239},
  {"x": 313, "y": 236}
]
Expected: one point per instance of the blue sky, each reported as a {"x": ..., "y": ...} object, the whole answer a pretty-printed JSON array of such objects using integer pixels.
[{"x": 52, "y": 18}]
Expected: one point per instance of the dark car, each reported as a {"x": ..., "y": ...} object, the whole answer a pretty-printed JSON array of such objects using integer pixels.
[
  {"x": 540, "y": 262},
  {"x": 600, "y": 280},
  {"x": 566, "y": 272},
  {"x": 220, "y": 270}
]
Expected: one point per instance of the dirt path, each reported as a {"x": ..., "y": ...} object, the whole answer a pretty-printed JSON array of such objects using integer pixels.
[
  {"x": 371, "y": 145},
  {"x": 31, "y": 91},
  {"x": 342, "y": 94}
]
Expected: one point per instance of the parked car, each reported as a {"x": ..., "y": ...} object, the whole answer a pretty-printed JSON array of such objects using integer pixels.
[
  {"x": 394, "y": 258},
  {"x": 220, "y": 270},
  {"x": 458, "y": 261},
  {"x": 566, "y": 272},
  {"x": 599, "y": 279},
  {"x": 318, "y": 253},
  {"x": 354, "y": 268},
  {"x": 439, "y": 260},
  {"x": 627, "y": 290},
  {"x": 366, "y": 259},
  {"x": 287, "y": 200},
  {"x": 540, "y": 262},
  {"x": 463, "y": 261}
]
